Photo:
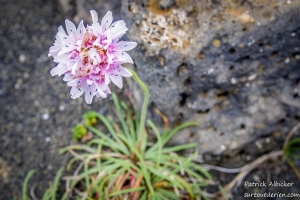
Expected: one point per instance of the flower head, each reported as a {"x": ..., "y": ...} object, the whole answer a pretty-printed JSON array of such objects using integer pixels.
[{"x": 90, "y": 57}]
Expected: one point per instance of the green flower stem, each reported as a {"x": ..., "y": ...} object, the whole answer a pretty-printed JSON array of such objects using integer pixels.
[{"x": 145, "y": 103}]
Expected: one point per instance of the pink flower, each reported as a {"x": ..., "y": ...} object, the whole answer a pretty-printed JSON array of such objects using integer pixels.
[{"x": 90, "y": 58}]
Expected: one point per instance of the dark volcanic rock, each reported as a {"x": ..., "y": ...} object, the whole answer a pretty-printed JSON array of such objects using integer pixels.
[{"x": 232, "y": 66}]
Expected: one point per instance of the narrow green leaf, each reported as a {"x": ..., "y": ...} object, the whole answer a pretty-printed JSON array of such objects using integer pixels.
[
  {"x": 131, "y": 123},
  {"x": 179, "y": 148},
  {"x": 144, "y": 195},
  {"x": 150, "y": 123},
  {"x": 24, "y": 188},
  {"x": 110, "y": 144},
  {"x": 78, "y": 147},
  {"x": 142, "y": 163},
  {"x": 120, "y": 192},
  {"x": 169, "y": 134},
  {"x": 168, "y": 194},
  {"x": 120, "y": 113},
  {"x": 112, "y": 132},
  {"x": 141, "y": 132},
  {"x": 55, "y": 184},
  {"x": 47, "y": 194}
]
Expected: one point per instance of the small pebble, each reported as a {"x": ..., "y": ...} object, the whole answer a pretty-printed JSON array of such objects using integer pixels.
[
  {"x": 287, "y": 60},
  {"x": 256, "y": 178},
  {"x": 211, "y": 70},
  {"x": 252, "y": 77},
  {"x": 258, "y": 144},
  {"x": 17, "y": 86},
  {"x": 233, "y": 80},
  {"x": 248, "y": 158},
  {"x": 26, "y": 75},
  {"x": 234, "y": 145},
  {"x": 45, "y": 116},
  {"x": 61, "y": 108},
  {"x": 223, "y": 147},
  {"x": 47, "y": 139},
  {"x": 22, "y": 58}
]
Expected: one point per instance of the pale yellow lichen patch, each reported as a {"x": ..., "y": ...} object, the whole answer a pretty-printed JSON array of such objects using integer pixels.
[
  {"x": 154, "y": 7},
  {"x": 165, "y": 28},
  {"x": 216, "y": 43},
  {"x": 241, "y": 14}
]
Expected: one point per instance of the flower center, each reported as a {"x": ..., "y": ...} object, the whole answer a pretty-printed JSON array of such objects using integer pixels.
[{"x": 93, "y": 58}]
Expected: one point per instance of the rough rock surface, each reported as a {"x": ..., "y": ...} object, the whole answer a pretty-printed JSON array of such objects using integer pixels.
[
  {"x": 232, "y": 66},
  {"x": 37, "y": 114}
]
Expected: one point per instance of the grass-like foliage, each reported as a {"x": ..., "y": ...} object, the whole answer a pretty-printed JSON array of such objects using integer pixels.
[
  {"x": 122, "y": 166},
  {"x": 50, "y": 193},
  {"x": 292, "y": 151}
]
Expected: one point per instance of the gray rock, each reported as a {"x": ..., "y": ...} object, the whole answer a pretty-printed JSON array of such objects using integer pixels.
[{"x": 232, "y": 66}]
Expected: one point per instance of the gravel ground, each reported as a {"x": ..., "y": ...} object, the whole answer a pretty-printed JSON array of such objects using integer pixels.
[{"x": 36, "y": 112}]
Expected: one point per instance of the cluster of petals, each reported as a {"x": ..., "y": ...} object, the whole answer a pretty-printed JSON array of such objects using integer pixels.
[{"x": 90, "y": 57}]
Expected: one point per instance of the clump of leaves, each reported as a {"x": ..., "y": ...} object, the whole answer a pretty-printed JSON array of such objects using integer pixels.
[
  {"x": 292, "y": 151},
  {"x": 123, "y": 166},
  {"x": 79, "y": 131},
  {"x": 90, "y": 118}
]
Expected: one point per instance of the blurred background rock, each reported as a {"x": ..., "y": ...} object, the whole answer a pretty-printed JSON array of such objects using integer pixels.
[{"x": 231, "y": 65}]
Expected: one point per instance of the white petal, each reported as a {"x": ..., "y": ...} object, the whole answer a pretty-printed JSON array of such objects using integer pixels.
[
  {"x": 81, "y": 30},
  {"x": 94, "y": 16},
  {"x": 90, "y": 82},
  {"x": 54, "y": 48},
  {"x": 75, "y": 82},
  {"x": 116, "y": 79},
  {"x": 94, "y": 55},
  {"x": 88, "y": 97},
  {"x": 54, "y": 71},
  {"x": 110, "y": 57},
  {"x": 61, "y": 59},
  {"x": 99, "y": 92},
  {"x": 68, "y": 77},
  {"x": 124, "y": 72},
  {"x": 121, "y": 58},
  {"x": 127, "y": 58},
  {"x": 125, "y": 46},
  {"x": 58, "y": 70},
  {"x": 76, "y": 92},
  {"x": 64, "y": 50},
  {"x": 106, "y": 21},
  {"x": 105, "y": 89},
  {"x": 97, "y": 42},
  {"x": 118, "y": 29},
  {"x": 107, "y": 80},
  {"x": 61, "y": 29},
  {"x": 70, "y": 26},
  {"x": 74, "y": 67}
]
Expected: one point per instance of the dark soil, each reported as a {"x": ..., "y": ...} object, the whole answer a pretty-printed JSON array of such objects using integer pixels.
[{"x": 37, "y": 113}]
